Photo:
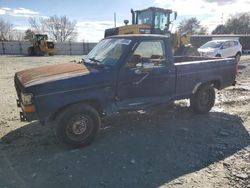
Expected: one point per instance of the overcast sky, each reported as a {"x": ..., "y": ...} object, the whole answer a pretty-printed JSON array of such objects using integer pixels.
[{"x": 94, "y": 16}]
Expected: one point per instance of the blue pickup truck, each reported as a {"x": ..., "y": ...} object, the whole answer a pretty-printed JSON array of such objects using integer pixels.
[{"x": 127, "y": 72}]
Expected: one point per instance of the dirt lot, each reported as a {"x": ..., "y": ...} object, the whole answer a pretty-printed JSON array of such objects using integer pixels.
[{"x": 159, "y": 148}]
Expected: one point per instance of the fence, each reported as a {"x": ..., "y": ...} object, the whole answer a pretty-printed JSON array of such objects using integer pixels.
[{"x": 66, "y": 48}]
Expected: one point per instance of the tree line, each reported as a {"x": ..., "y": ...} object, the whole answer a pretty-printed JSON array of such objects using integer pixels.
[
  {"x": 61, "y": 28},
  {"x": 58, "y": 28},
  {"x": 236, "y": 24}
]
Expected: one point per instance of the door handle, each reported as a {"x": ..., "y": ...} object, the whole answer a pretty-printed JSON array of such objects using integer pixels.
[{"x": 143, "y": 78}]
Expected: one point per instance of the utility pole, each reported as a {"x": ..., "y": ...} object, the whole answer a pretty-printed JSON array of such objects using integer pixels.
[
  {"x": 115, "y": 19},
  {"x": 222, "y": 18}
]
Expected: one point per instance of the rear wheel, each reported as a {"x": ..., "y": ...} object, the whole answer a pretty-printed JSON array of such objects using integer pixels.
[
  {"x": 203, "y": 100},
  {"x": 78, "y": 125},
  {"x": 38, "y": 51}
]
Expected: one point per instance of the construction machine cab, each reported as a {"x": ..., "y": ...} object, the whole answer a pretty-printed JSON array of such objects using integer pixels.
[
  {"x": 152, "y": 20},
  {"x": 39, "y": 37},
  {"x": 158, "y": 18}
]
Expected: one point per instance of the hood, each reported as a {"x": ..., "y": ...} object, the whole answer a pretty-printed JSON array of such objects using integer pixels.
[{"x": 50, "y": 73}]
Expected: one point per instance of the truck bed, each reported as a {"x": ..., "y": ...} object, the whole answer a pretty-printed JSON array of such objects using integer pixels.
[{"x": 193, "y": 70}]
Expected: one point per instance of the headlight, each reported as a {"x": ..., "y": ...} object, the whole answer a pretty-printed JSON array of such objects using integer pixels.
[
  {"x": 211, "y": 52},
  {"x": 27, "y": 98},
  {"x": 144, "y": 31}
]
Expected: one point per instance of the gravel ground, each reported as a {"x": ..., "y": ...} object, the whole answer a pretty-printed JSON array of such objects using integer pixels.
[{"x": 162, "y": 147}]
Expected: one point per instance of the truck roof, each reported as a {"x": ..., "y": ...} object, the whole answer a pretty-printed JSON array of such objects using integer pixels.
[{"x": 137, "y": 36}]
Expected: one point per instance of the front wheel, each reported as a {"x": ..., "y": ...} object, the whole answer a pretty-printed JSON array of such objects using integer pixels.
[
  {"x": 30, "y": 51},
  {"x": 78, "y": 125},
  {"x": 237, "y": 57},
  {"x": 203, "y": 100}
]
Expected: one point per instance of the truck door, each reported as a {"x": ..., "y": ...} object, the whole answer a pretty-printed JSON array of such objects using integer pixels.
[{"x": 147, "y": 75}]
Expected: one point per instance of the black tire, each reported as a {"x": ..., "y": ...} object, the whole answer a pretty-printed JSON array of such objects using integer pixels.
[
  {"x": 30, "y": 51},
  {"x": 78, "y": 125},
  {"x": 38, "y": 51},
  {"x": 218, "y": 55},
  {"x": 237, "y": 57},
  {"x": 203, "y": 100}
]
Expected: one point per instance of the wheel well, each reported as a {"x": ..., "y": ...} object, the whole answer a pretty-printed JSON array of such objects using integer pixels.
[
  {"x": 92, "y": 102},
  {"x": 238, "y": 53},
  {"x": 215, "y": 83}
]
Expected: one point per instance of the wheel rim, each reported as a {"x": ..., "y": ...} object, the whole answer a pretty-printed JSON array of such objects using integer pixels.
[{"x": 79, "y": 127}]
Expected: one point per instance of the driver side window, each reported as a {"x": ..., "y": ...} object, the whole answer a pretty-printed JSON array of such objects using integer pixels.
[
  {"x": 226, "y": 45},
  {"x": 148, "y": 53}
]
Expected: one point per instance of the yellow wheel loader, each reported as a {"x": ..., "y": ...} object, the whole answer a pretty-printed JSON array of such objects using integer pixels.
[
  {"x": 147, "y": 21},
  {"x": 155, "y": 20},
  {"x": 41, "y": 46}
]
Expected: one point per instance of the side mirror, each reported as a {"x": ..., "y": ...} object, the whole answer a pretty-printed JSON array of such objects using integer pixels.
[{"x": 175, "y": 15}]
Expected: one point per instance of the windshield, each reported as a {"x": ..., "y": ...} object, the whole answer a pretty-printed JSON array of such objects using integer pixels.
[
  {"x": 212, "y": 44},
  {"x": 107, "y": 51},
  {"x": 160, "y": 20},
  {"x": 145, "y": 17}
]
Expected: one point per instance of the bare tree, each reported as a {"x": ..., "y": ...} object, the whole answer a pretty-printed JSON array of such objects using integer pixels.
[
  {"x": 37, "y": 26},
  {"x": 191, "y": 26},
  {"x": 61, "y": 28},
  {"x": 6, "y": 30},
  {"x": 239, "y": 24},
  {"x": 236, "y": 24},
  {"x": 202, "y": 30},
  {"x": 17, "y": 35},
  {"x": 220, "y": 29},
  {"x": 29, "y": 34}
]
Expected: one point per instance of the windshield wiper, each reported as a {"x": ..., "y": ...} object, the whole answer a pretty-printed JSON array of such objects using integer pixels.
[{"x": 95, "y": 60}]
